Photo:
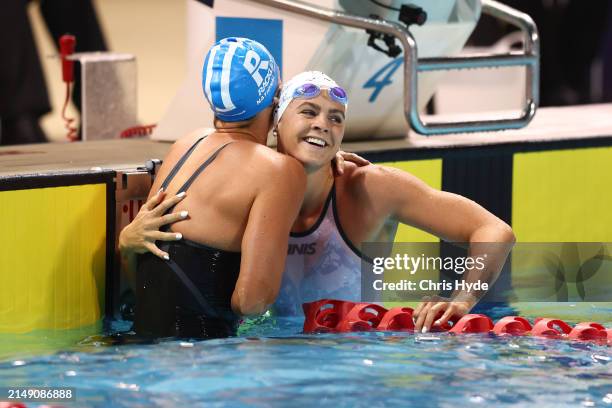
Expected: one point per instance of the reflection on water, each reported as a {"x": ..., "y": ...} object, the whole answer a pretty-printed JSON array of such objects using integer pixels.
[
  {"x": 43, "y": 341},
  {"x": 273, "y": 364}
]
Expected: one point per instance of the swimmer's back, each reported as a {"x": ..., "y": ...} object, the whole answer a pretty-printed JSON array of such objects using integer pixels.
[{"x": 220, "y": 199}]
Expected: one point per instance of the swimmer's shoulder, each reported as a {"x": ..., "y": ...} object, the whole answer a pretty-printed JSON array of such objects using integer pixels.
[
  {"x": 278, "y": 167},
  {"x": 186, "y": 141},
  {"x": 374, "y": 179},
  {"x": 259, "y": 162},
  {"x": 182, "y": 144}
]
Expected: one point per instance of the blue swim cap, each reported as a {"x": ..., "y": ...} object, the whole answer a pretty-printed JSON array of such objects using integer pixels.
[{"x": 239, "y": 78}]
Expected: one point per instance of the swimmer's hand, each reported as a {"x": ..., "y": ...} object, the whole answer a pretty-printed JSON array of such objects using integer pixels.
[
  {"x": 438, "y": 310},
  {"x": 342, "y": 157},
  {"x": 140, "y": 235}
]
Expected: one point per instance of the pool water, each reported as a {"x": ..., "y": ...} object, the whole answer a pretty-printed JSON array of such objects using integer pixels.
[{"x": 272, "y": 364}]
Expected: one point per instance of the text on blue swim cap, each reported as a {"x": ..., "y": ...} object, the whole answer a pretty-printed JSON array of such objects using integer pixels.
[{"x": 253, "y": 63}]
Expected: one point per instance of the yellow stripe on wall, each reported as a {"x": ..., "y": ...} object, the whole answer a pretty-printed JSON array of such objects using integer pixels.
[
  {"x": 563, "y": 196},
  {"x": 430, "y": 171},
  {"x": 53, "y": 267}
]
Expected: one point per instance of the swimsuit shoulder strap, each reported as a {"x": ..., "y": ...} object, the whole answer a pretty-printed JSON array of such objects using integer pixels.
[
  {"x": 191, "y": 179},
  {"x": 319, "y": 221},
  {"x": 336, "y": 218},
  {"x": 180, "y": 163},
  {"x": 203, "y": 166}
]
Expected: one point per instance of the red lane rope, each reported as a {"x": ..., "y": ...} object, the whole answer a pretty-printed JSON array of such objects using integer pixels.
[{"x": 328, "y": 315}]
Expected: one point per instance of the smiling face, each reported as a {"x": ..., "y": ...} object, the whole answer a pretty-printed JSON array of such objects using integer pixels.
[{"x": 311, "y": 130}]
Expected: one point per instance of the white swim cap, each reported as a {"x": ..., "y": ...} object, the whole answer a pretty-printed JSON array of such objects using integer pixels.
[{"x": 308, "y": 85}]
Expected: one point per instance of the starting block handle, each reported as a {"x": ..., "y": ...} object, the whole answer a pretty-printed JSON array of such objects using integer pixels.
[{"x": 529, "y": 57}]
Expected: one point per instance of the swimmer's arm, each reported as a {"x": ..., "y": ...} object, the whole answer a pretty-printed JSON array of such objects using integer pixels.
[
  {"x": 451, "y": 217},
  {"x": 265, "y": 240},
  {"x": 448, "y": 216},
  {"x": 140, "y": 235}
]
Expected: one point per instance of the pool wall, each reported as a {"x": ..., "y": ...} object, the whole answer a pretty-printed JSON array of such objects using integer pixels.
[{"x": 57, "y": 254}]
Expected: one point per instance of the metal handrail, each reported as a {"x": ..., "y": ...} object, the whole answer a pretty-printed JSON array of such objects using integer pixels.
[{"x": 529, "y": 57}]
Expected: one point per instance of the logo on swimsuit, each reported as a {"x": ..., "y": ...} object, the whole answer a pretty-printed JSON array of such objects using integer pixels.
[{"x": 302, "y": 249}]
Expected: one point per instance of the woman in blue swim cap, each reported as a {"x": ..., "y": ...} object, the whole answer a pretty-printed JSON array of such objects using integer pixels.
[{"x": 220, "y": 260}]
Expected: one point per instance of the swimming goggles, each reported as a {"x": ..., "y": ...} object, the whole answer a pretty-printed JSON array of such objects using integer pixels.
[{"x": 309, "y": 90}]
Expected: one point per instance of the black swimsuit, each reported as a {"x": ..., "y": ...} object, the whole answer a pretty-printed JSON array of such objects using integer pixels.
[{"x": 188, "y": 296}]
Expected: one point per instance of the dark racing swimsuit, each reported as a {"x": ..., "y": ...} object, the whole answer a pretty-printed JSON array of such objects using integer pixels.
[{"x": 190, "y": 295}]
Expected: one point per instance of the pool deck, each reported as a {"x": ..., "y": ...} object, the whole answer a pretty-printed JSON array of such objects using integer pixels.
[{"x": 580, "y": 125}]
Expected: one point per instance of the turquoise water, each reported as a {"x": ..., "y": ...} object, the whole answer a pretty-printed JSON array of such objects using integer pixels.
[{"x": 272, "y": 364}]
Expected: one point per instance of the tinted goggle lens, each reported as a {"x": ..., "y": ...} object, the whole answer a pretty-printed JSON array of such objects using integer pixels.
[
  {"x": 311, "y": 90},
  {"x": 339, "y": 94},
  {"x": 308, "y": 90}
]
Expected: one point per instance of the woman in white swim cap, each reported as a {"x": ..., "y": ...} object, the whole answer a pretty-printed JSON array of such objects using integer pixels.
[{"x": 364, "y": 204}]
